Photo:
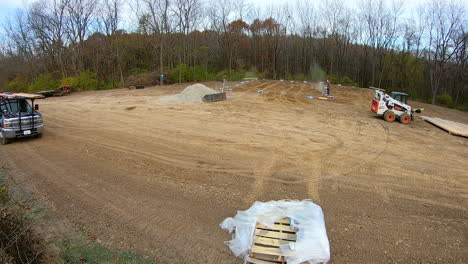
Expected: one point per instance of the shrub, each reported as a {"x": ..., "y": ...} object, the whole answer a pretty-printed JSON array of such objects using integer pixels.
[
  {"x": 79, "y": 251},
  {"x": 288, "y": 76},
  {"x": 220, "y": 75},
  {"x": 108, "y": 84},
  {"x": 149, "y": 78},
  {"x": 211, "y": 76},
  {"x": 18, "y": 242},
  {"x": 179, "y": 74},
  {"x": 72, "y": 81},
  {"x": 18, "y": 84},
  {"x": 345, "y": 80},
  {"x": 47, "y": 81},
  {"x": 348, "y": 82},
  {"x": 332, "y": 78},
  {"x": 196, "y": 74},
  {"x": 262, "y": 75},
  {"x": 135, "y": 71},
  {"x": 299, "y": 77},
  {"x": 237, "y": 75},
  {"x": 85, "y": 81},
  {"x": 251, "y": 73},
  {"x": 3, "y": 195},
  {"x": 462, "y": 107},
  {"x": 444, "y": 99}
]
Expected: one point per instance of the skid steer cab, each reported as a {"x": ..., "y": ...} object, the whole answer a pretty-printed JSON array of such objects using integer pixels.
[
  {"x": 392, "y": 107},
  {"x": 18, "y": 118}
]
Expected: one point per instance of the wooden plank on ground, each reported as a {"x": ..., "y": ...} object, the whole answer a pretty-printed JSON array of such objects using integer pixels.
[
  {"x": 256, "y": 261},
  {"x": 273, "y": 234},
  {"x": 452, "y": 127},
  {"x": 273, "y": 259},
  {"x": 29, "y": 95},
  {"x": 270, "y": 241},
  {"x": 286, "y": 220},
  {"x": 278, "y": 227},
  {"x": 266, "y": 250}
]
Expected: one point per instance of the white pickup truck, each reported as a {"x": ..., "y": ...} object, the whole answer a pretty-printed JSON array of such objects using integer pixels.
[{"x": 18, "y": 118}]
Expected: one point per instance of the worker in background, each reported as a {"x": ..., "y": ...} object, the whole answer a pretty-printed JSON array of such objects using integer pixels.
[{"x": 328, "y": 88}]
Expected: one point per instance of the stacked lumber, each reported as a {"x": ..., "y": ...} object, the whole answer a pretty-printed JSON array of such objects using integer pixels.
[
  {"x": 452, "y": 127},
  {"x": 267, "y": 240},
  {"x": 28, "y": 95}
]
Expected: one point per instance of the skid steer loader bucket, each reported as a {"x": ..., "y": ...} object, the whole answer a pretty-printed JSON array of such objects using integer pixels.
[{"x": 214, "y": 97}]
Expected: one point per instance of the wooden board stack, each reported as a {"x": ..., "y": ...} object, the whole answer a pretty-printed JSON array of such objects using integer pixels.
[
  {"x": 452, "y": 127},
  {"x": 266, "y": 242}
]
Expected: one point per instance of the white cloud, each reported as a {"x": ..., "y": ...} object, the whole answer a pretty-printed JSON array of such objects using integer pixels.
[{"x": 13, "y": 3}]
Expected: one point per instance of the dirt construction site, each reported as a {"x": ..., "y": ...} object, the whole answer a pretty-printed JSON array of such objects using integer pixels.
[{"x": 157, "y": 178}]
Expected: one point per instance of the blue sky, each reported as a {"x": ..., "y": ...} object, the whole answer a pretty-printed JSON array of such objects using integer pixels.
[{"x": 8, "y": 7}]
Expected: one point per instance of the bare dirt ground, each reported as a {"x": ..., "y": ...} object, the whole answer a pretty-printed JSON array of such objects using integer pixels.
[{"x": 157, "y": 179}]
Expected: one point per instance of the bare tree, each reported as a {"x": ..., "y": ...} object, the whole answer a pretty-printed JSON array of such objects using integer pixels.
[
  {"x": 109, "y": 20},
  {"x": 337, "y": 17},
  {"x": 461, "y": 60},
  {"x": 21, "y": 36},
  {"x": 422, "y": 51},
  {"x": 19, "y": 48},
  {"x": 221, "y": 13},
  {"x": 159, "y": 22},
  {"x": 381, "y": 23},
  {"x": 48, "y": 22},
  {"x": 307, "y": 17},
  {"x": 187, "y": 13},
  {"x": 79, "y": 15},
  {"x": 444, "y": 22},
  {"x": 110, "y": 16}
]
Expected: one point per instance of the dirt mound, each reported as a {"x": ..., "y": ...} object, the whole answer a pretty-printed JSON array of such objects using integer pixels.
[{"x": 193, "y": 93}]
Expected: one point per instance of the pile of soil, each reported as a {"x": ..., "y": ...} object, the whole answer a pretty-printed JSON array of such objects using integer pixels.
[{"x": 193, "y": 93}]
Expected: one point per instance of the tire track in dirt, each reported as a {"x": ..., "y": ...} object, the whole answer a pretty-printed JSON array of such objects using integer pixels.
[
  {"x": 277, "y": 159},
  {"x": 308, "y": 168},
  {"x": 172, "y": 159},
  {"x": 365, "y": 167},
  {"x": 279, "y": 98},
  {"x": 84, "y": 194},
  {"x": 265, "y": 169},
  {"x": 153, "y": 190},
  {"x": 318, "y": 164}
]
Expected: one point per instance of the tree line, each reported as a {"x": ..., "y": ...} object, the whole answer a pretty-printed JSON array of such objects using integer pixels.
[{"x": 99, "y": 44}]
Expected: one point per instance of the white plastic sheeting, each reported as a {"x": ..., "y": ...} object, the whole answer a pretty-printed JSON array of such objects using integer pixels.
[{"x": 312, "y": 242}]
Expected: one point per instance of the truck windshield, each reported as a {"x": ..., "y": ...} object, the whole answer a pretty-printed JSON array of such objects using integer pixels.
[{"x": 14, "y": 106}]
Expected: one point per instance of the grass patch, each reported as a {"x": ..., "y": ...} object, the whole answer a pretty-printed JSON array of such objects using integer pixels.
[
  {"x": 18, "y": 241},
  {"x": 3, "y": 189},
  {"x": 78, "y": 251}
]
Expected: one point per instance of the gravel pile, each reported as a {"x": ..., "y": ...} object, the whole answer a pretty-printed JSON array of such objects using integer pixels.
[{"x": 193, "y": 93}]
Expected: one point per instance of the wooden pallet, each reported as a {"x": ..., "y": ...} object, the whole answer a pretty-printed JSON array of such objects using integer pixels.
[
  {"x": 452, "y": 127},
  {"x": 266, "y": 242}
]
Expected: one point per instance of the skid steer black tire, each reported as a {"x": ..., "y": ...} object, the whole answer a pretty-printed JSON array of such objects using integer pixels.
[
  {"x": 405, "y": 118},
  {"x": 389, "y": 116}
]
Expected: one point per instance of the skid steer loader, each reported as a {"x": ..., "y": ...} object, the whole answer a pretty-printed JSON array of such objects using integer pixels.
[{"x": 393, "y": 106}]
